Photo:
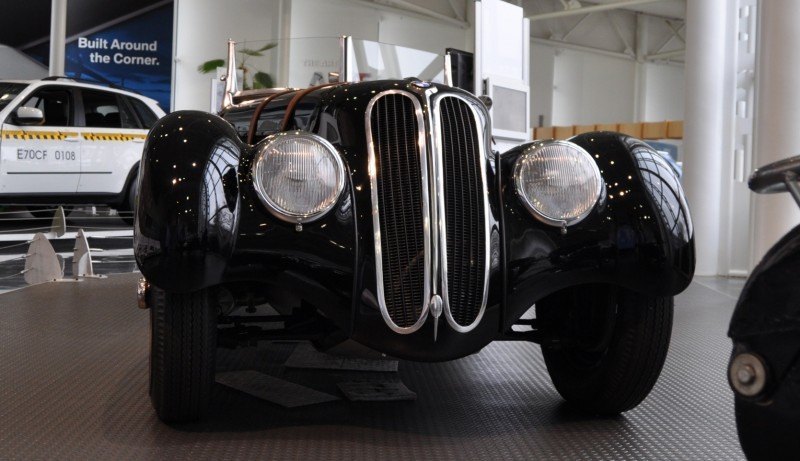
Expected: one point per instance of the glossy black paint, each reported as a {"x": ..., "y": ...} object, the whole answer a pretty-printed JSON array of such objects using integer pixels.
[
  {"x": 230, "y": 238},
  {"x": 770, "y": 179},
  {"x": 188, "y": 207},
  {"x": 639, "y": 236}
]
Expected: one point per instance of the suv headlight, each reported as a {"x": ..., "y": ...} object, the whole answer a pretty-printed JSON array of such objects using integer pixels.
[
  {"x": 298, "y": 176},
  {"x": 558, "y": 182}
]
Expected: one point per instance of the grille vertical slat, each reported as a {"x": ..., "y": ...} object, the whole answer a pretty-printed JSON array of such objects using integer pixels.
[
  {"x": 395, "y": 131},
  {"x": 464, "y": 211}
]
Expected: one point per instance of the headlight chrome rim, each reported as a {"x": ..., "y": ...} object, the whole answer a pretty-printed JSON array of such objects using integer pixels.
[
  {"x": 532, "y": 209},
  {"x": 260, "y": 187}
]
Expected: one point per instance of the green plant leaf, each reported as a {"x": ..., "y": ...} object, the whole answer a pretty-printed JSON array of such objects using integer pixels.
[
  {"x": 268, "y": 46},
  {"x": 262, "y": 80},
  {"x": 252, "y": 52},
  {"x": 249, "y": 52},
  {"x": 210, "y": 66}
]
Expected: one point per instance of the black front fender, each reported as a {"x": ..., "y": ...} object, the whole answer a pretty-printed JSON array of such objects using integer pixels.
[
  {"x": 639, "y": 235},
  {"x": 187, "y": 213}
]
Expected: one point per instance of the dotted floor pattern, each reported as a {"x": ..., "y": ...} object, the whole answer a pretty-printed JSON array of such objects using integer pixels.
[{"x": 73, "y": 385}]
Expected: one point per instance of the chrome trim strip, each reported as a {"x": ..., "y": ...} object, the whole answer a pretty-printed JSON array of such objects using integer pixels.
[
  {"x": 439, "y": 190},
  {"x": 231, "y": 84},
  {"x": 376, "y": 225}
]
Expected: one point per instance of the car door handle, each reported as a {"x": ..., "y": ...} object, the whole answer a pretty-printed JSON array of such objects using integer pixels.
[
  {"x": 72, "y": 139},
  {"x": 138, "y": 140}
]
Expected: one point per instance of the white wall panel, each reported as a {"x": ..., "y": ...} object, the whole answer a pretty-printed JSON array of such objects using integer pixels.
[
  {"x": 664, "y": 92},
  {"x": 422, "y": 34},
  {"x": 332, "y": 18},
  {"x": 591, "y": 88},
  {"x": 202, "y": 30},
  {"x": 542, "y": 62}
]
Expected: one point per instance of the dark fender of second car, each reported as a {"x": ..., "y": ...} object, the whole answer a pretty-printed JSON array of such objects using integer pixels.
[
  {"x": 766, "y": 323},
  {"x": 200, "y": 223}
]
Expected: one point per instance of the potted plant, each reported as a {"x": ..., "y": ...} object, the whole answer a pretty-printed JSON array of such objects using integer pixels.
[{"x": 259, "y": 79}]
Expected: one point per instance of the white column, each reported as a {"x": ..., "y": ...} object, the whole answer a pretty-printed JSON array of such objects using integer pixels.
[
  {"x": 703, "y": 125},
  {"x": 640, "y": 100},
  {"x": 777, "y": 115},
  {"x": 58, "y": 36}
]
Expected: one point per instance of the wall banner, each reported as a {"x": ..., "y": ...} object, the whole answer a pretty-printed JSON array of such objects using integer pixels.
[{"x": 135, "y": 54}]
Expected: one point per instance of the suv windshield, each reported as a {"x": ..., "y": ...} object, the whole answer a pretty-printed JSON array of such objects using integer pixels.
[{"x": 9, "y": 91}]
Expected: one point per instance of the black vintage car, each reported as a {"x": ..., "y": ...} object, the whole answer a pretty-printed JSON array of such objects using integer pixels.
[{"x": 379, "y": 212}]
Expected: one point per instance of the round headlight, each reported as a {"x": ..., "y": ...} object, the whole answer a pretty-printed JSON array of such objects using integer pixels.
[
  {"x": 558, "y": 182},
  {"x": 299, "y": 176}
]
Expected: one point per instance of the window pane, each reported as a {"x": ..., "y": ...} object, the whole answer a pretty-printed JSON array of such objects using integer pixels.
[
  {"x": 126, "y": 115},
  {"x": 100, "y": 109},
  {"x": 54, "y": 104},
  {"x": 146, "y": 115},
  {"x": 9, "y": 91}
]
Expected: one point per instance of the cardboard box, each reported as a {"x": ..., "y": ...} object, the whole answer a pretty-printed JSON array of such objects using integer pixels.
[
  {"x": 675, "y": 129},
  {"x": 654, "y": 130},
  {"x": 631, "y": 129},
  {"x": 563, "y": 132},
  {"x": 606, "y": 127},
  {"x": 543, "y": 132}
]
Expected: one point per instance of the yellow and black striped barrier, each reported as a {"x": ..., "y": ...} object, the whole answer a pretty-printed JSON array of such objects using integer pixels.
[
  {"x": 40, "y": 135},
  {"x": 61, "y": 135},
  {"x": 112, "y": 136}
]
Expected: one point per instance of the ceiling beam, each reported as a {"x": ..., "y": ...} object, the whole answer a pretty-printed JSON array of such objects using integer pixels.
[
  {"x": 578, "y": 24},
  {"x": 665, "y": 55},
  {"x": 589, "y": 49},
  {"x": 408, "y": 6},
  {"x": 591, "y": 9},
  {"x": 676, "y": 30},
  {"x": 459, "y": 14}
]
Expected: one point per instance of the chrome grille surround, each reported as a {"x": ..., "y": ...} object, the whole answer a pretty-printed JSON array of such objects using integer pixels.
[
  {"x": 433, "y": 203},
  {"x": 479, "y": 124},
  {"x": 376, "y": 210}
]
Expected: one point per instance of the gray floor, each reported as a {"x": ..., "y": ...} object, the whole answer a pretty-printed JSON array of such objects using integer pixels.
[{"x": 73, "y": 385}]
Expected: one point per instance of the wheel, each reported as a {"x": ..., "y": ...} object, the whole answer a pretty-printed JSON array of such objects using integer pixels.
[
  {"x": 183, "y": 333},
  {"x": 604, "y": 346},
  {"x": 764, "y": 373},
  {"x": 127, "y": 210},
  {"x": 768, "y": 430}
]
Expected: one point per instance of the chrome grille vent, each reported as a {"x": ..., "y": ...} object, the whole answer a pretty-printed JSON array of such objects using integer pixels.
[
  {"x": 395, "y": 127},
  {"x": 415, "y": 260},
  {"x": 464, "y": 211}
]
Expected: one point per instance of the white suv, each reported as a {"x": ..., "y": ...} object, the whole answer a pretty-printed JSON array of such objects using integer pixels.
[{"x": 68, "y": 142}]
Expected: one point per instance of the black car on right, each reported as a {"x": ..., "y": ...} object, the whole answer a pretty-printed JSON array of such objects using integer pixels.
[{"x": 764, "y": 370}]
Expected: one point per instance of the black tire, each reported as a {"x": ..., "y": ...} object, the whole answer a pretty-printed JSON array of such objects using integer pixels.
[
  {"x": 606, "y": 346},
  {"x": 183, "y": 342},
  {"x": 128, "y": 208}
]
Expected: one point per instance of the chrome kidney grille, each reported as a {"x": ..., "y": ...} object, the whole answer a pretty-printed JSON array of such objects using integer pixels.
[
  {"x": 398, "y": 169},
  {"x": 464, "y": 213},
  {"x": 419, "y": 177}
]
